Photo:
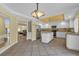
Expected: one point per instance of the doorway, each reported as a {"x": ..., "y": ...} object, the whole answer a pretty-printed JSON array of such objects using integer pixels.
[
  {"x": 22, "y": 32},
  {"x": 54, "y": 31}
]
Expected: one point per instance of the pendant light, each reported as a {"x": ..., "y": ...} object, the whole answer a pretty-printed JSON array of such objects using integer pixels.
[{"x": 36, "y": 13}]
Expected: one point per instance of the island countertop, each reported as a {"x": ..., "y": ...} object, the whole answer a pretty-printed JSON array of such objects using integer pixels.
[{"x": 46, "y": 30}]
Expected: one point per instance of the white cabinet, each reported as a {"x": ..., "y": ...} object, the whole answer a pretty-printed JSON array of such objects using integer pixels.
[
  {"x": 61, "y": 34},
  {"x": 72, "y": 42},
  {"x": 46, "y": 37}
]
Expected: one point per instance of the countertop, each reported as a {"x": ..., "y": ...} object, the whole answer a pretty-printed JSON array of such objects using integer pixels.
[
  {"x": 57, "y": 29},
  {"x": 72, "y": 33}
]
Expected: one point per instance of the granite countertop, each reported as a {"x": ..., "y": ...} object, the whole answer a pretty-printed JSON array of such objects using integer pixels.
[
  {"x": 57, "y": 29},
  {"x": 72, "y": 33},
  {"x": 46, "y": 30}
]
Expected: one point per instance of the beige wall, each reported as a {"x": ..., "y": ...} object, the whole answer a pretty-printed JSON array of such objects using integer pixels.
[
  {"x": 32, "y": 35},
  {"x": 34, "y": 31},
  {"x": 13, "y": 24},
  {"x": 13, "y": 28},
  {"x": 2, "y": 26},
  {"x": 29, "y": 34}
]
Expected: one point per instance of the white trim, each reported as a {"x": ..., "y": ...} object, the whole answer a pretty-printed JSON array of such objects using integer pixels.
[
  {"x": 20, "y": 14},
  {"x": 3, "y": 50},
  {"x": 13, "y": 12},
  {"x": 16, "y": 13}
]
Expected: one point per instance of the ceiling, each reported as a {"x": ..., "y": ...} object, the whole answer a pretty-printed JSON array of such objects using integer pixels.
[{"x": 49, "y": 9}]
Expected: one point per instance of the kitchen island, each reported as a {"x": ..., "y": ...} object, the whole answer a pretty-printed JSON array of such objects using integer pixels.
[{"x": 46, "y": 35}]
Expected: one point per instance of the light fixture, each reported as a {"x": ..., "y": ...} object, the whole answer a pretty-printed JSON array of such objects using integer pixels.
[
  {"x": 36, "y": 13},
  {"x": 69, "y": 17},
  {"x": 63, "y": 23}
]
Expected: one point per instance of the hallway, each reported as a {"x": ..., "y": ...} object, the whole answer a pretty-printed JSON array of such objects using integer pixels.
[{"x": 36, "y": 48}]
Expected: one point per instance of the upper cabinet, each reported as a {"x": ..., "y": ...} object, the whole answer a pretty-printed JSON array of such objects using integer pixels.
[{"x": 55, "y": 18}]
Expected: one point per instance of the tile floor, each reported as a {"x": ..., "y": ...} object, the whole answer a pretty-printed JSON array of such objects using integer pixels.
[{"x": 37, "y": 48}]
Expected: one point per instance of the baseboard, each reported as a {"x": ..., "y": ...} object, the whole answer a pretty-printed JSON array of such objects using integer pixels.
[{"x": 3, "y": 50}]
